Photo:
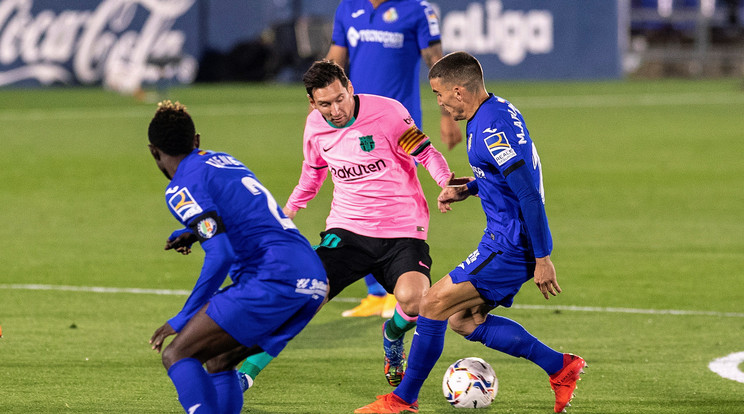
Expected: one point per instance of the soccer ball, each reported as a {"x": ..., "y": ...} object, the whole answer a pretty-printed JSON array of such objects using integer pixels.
[{"x": 470, "y": 383}]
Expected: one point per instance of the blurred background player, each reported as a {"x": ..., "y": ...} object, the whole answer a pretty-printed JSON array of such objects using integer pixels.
[
  {"x": 278, "y": 281},
  {"x": 515, "y": 248},
  {"x": 388, "y": 68}
]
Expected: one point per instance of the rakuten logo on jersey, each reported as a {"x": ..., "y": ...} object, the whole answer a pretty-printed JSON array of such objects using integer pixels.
[
  {"x": 357, "y": 172},
  {"x": 510, "y": 34},
  {"x": 393, "y": 40}
]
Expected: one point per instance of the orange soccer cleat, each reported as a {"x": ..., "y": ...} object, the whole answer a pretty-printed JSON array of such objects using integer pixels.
[
  {"x": 370, "y": 306},
  {"x": 563, "y": 382},
  {"x": 388, "y": 308},
  {"x": 388, "y": 404}
]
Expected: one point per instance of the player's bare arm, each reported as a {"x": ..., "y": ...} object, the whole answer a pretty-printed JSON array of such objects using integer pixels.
[
  {"x": 339, "y": 54},
  {"x": 450, "y": 131},
  {"x": 545, "y": 277}
]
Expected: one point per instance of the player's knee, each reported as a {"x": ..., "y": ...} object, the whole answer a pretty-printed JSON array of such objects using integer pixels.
[{"x": 169, "y": 357}]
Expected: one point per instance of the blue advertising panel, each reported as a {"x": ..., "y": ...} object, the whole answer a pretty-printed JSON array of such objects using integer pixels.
[
  {"x": 535, "y": 39},
  {"x": 118, "y": 43}
]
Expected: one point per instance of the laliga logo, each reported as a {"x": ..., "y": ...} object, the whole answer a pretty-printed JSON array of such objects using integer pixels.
[
  {"x": 94, "y": 45},
  {"x": 510, "y": 34}
]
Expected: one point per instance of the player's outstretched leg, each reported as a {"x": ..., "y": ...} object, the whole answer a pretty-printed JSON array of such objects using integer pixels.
[
  {"x": 506, "y": 335},
  {"x": 393, "y": 331},
  {"x": 564, "y": 381}
]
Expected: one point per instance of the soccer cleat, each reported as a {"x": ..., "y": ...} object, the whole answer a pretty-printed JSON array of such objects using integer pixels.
[
  {"x": 370, "y": 306},
  {"x": 395, "y": 358},
  {"x": 563, "y": 382},
  {"x": 388, "y": 404},
  {"x": 388, "y": 308},
  {"x": 245, "y": 381}
]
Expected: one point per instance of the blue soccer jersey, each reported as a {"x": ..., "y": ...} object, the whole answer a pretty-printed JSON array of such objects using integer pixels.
[
  {"x": 216, "y": 196},
  {"x": 498, "y": 144},
  {"x": 384, "y": 46}
]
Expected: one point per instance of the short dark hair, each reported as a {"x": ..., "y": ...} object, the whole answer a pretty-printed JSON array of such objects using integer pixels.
[
  {"x": 323, "y": 73},
  {"x": 458, "y": 67},
  {"x": 172, "y": 129}
]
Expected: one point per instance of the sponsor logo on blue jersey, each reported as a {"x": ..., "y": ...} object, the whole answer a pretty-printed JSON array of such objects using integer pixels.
[
  {"x": 393, "y": 40},
  {"x": 498, "y": 146},
  {"x": 183, "y": 204}
]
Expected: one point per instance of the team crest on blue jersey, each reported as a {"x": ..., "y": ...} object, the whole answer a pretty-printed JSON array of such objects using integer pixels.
[
  {"x": 207, "y": 228},
  {"x": 367, "y": 143},
  {"x": 498, "y": 146},
  {"x": 390, "y": 15},
  {"x": 184, "y": 205}
]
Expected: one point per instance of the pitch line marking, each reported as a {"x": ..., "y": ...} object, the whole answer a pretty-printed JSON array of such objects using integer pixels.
[
  {"x": 524, "y": 102},
  {"x": 178, "y": 292},
  {"x": 728, "y": 366}
]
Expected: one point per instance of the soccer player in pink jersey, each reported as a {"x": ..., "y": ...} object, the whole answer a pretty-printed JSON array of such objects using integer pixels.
[{"x": 379, "y": 218}]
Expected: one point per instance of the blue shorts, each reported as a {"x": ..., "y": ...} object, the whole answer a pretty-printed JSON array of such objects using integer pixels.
[
  {"x": 269, "y": 312},
  {"x": 496, "y": 275}
]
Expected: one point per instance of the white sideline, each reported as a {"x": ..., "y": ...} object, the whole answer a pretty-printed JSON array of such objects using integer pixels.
[
  {"x": 727, "y": 367},
  {"x": 177, "y": 292}
]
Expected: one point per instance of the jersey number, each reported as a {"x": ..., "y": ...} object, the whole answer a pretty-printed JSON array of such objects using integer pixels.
[{"x": 256, "y": 189}]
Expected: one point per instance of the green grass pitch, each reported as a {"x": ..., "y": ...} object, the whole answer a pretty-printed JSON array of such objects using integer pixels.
[{"x": 644, "y": 196}]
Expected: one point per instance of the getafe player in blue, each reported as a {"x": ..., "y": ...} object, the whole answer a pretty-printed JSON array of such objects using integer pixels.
[
  {"x": 278, "y": 280},
  {"x": 515, "y": 248}
]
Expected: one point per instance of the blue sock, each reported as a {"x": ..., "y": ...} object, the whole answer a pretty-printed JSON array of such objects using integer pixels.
[
  {"x": 426, "y": 347},
  {"x": 505, "y": 335},
  {"x": 373, "y": 286},
  {"x": 195, "y": 390},
  {"x": 229, "y": 393}
]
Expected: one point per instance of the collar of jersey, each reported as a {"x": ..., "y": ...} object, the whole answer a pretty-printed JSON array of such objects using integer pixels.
[
  {"x": 353, "y": 117},
  {"x": 348, "y": 124}
]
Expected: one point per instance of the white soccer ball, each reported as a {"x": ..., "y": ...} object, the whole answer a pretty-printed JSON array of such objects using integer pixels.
[{"x": 470, "y": 383}]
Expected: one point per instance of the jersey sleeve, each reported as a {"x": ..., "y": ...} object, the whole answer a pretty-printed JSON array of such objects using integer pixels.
[
  {"x": 204, "y": 221},
  {"x": 427, "y": 27},
  {"x": 501, "y": 146},
  {"x": 338, "y": 37},
  {"x": 314, "y": 172}
]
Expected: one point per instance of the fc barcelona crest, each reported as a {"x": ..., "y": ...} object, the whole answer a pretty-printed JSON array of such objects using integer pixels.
[{"x": 367, "y": 143}]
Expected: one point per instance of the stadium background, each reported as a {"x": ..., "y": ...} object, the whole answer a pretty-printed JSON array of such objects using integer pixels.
[{"x": 637, "y": 111}]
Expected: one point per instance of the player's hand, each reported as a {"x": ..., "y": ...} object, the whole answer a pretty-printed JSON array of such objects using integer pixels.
[
  {"x": 451, "y": 194},
  {"x": 545, "y": 277},
  {"x": 181, "y": 241},
  {"x": 159, "y": 336},
  {"x": 289, "y": 212},
  {"x": 450, "y": 131}
]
